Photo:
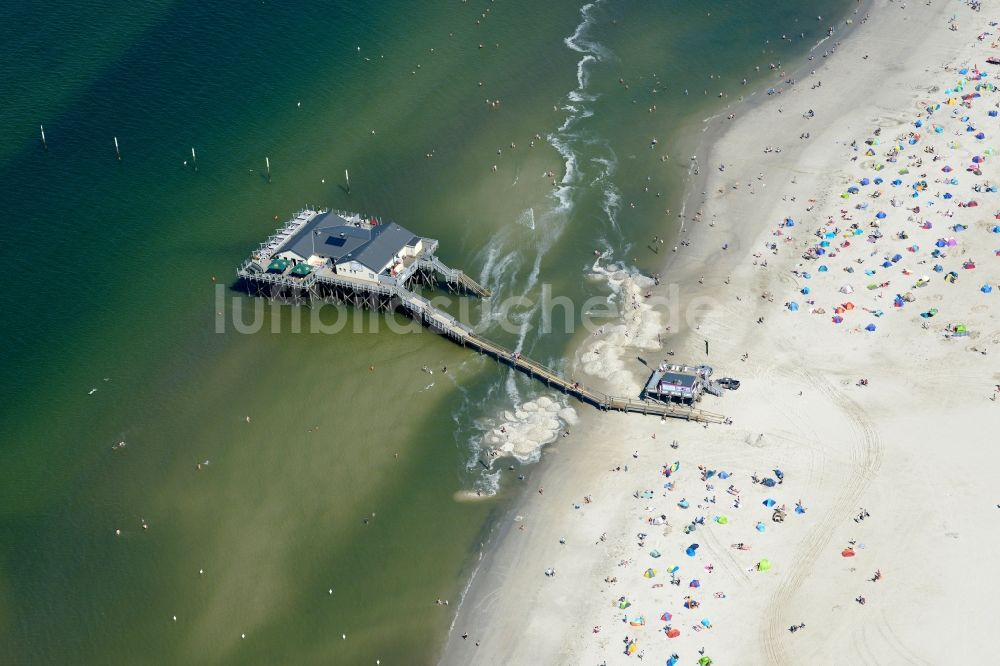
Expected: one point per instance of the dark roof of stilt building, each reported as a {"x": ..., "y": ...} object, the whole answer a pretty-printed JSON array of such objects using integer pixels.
[{"x": 329, "y": 235}]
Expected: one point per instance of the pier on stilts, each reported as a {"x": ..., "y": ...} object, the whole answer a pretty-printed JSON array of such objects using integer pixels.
[{"x": 321, "y": 256}]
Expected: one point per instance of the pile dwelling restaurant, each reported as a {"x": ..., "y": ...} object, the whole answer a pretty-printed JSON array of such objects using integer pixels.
[{"x": 322, "y": 255}]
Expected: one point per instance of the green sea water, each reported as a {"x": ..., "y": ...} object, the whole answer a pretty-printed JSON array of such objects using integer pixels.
[{"x": 114, "y": 270}]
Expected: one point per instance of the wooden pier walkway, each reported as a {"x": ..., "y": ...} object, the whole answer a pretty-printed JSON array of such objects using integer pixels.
[{"x": 448, "y": 326}]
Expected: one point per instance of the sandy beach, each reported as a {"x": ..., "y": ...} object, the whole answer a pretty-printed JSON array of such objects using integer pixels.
[{"x": 842, "y": 260}]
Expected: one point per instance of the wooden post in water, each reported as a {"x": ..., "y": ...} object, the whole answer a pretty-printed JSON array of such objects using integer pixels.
[
  {"x": 267, "y": 161},
  {"x": 194, "y": 159},
  {"x": 117, "y": 151},
  {"x": 45, "y": 146},
  {"x": 347, "y": 177}
]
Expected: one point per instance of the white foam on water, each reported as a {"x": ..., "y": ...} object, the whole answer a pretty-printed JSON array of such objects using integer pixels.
[
  {"x": 610, "y": 352},
  {"x": 527, "y": 218},
  {"x": 522, "y": 433}
]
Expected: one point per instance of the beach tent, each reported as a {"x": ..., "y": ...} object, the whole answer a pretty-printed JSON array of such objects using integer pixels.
[
  {"x": 986, "y": 289},
  {"x": 691, "y": 550},
  {"x": 769, "y": 482},
  {"x": 695, "y": 583},
  {"x": 763, "y": 565},
  {"x": 880, "y": 215},
  {"x": 793, "y": 306},
  {"x": 847, "y": 552},
  {"x": 654, "y": 553},
  {"x": 672, "y": 661},
  {"x": 705, "y": 661},
  {"x": 673, "y": 633},
  {"x": 624, "y": 603},
  {"x": 760, "y": 526},
  {"x": 631, "y": 647},
  {"x": 638, "y": 621},
  {"x": 683, "y": 504},
  {"x": 650, "y": 573},
  {"x": 723, "y": 520},
  {"x": 769, "y": 502},
  {"x": 666, "y": 617},
  {"x": 705, "y": 622},
  {"x": 870, "y": 328}
]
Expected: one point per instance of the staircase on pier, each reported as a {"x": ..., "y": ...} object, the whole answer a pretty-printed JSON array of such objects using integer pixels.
[{"x": 454, "y": 277}]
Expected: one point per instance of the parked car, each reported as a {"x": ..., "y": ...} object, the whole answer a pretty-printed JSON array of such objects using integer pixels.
[{"x": 729, "y": 383}]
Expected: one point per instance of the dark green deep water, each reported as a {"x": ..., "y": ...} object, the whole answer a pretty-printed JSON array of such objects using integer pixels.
[{"x": 108, "y": 283}]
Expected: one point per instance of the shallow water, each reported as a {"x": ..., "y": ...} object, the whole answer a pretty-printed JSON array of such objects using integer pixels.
[{"x": 109, "y": 272}]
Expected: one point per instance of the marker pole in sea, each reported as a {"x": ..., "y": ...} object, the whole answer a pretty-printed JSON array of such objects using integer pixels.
[
  {"x": 347, "y": 177},
  {"x": 267, "y": 162},
  {"x": 194, "y": 159},
  {"x": 44, "y": 145},
  {"x": 117, "y": 151}
]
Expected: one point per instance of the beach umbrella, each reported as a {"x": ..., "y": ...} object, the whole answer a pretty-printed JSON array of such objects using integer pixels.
[
  {"x": 666, "y": 617},
  {"x": 763, "y": 565},
  {"x": 870, "y": 328},
  {"x": 919, "y": 123},
  {"x": 824, "y": 243},
  {"x": 673, "y": 633},
  {"x": 695, "y": 583},
  {"x": 769, "y": 502}
]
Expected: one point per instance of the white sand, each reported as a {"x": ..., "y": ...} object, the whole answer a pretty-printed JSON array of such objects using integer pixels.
[{"x": 915, "y": 448}]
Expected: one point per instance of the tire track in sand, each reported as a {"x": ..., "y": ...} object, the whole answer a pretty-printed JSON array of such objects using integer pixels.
[{"x": 865, "y": 459}]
